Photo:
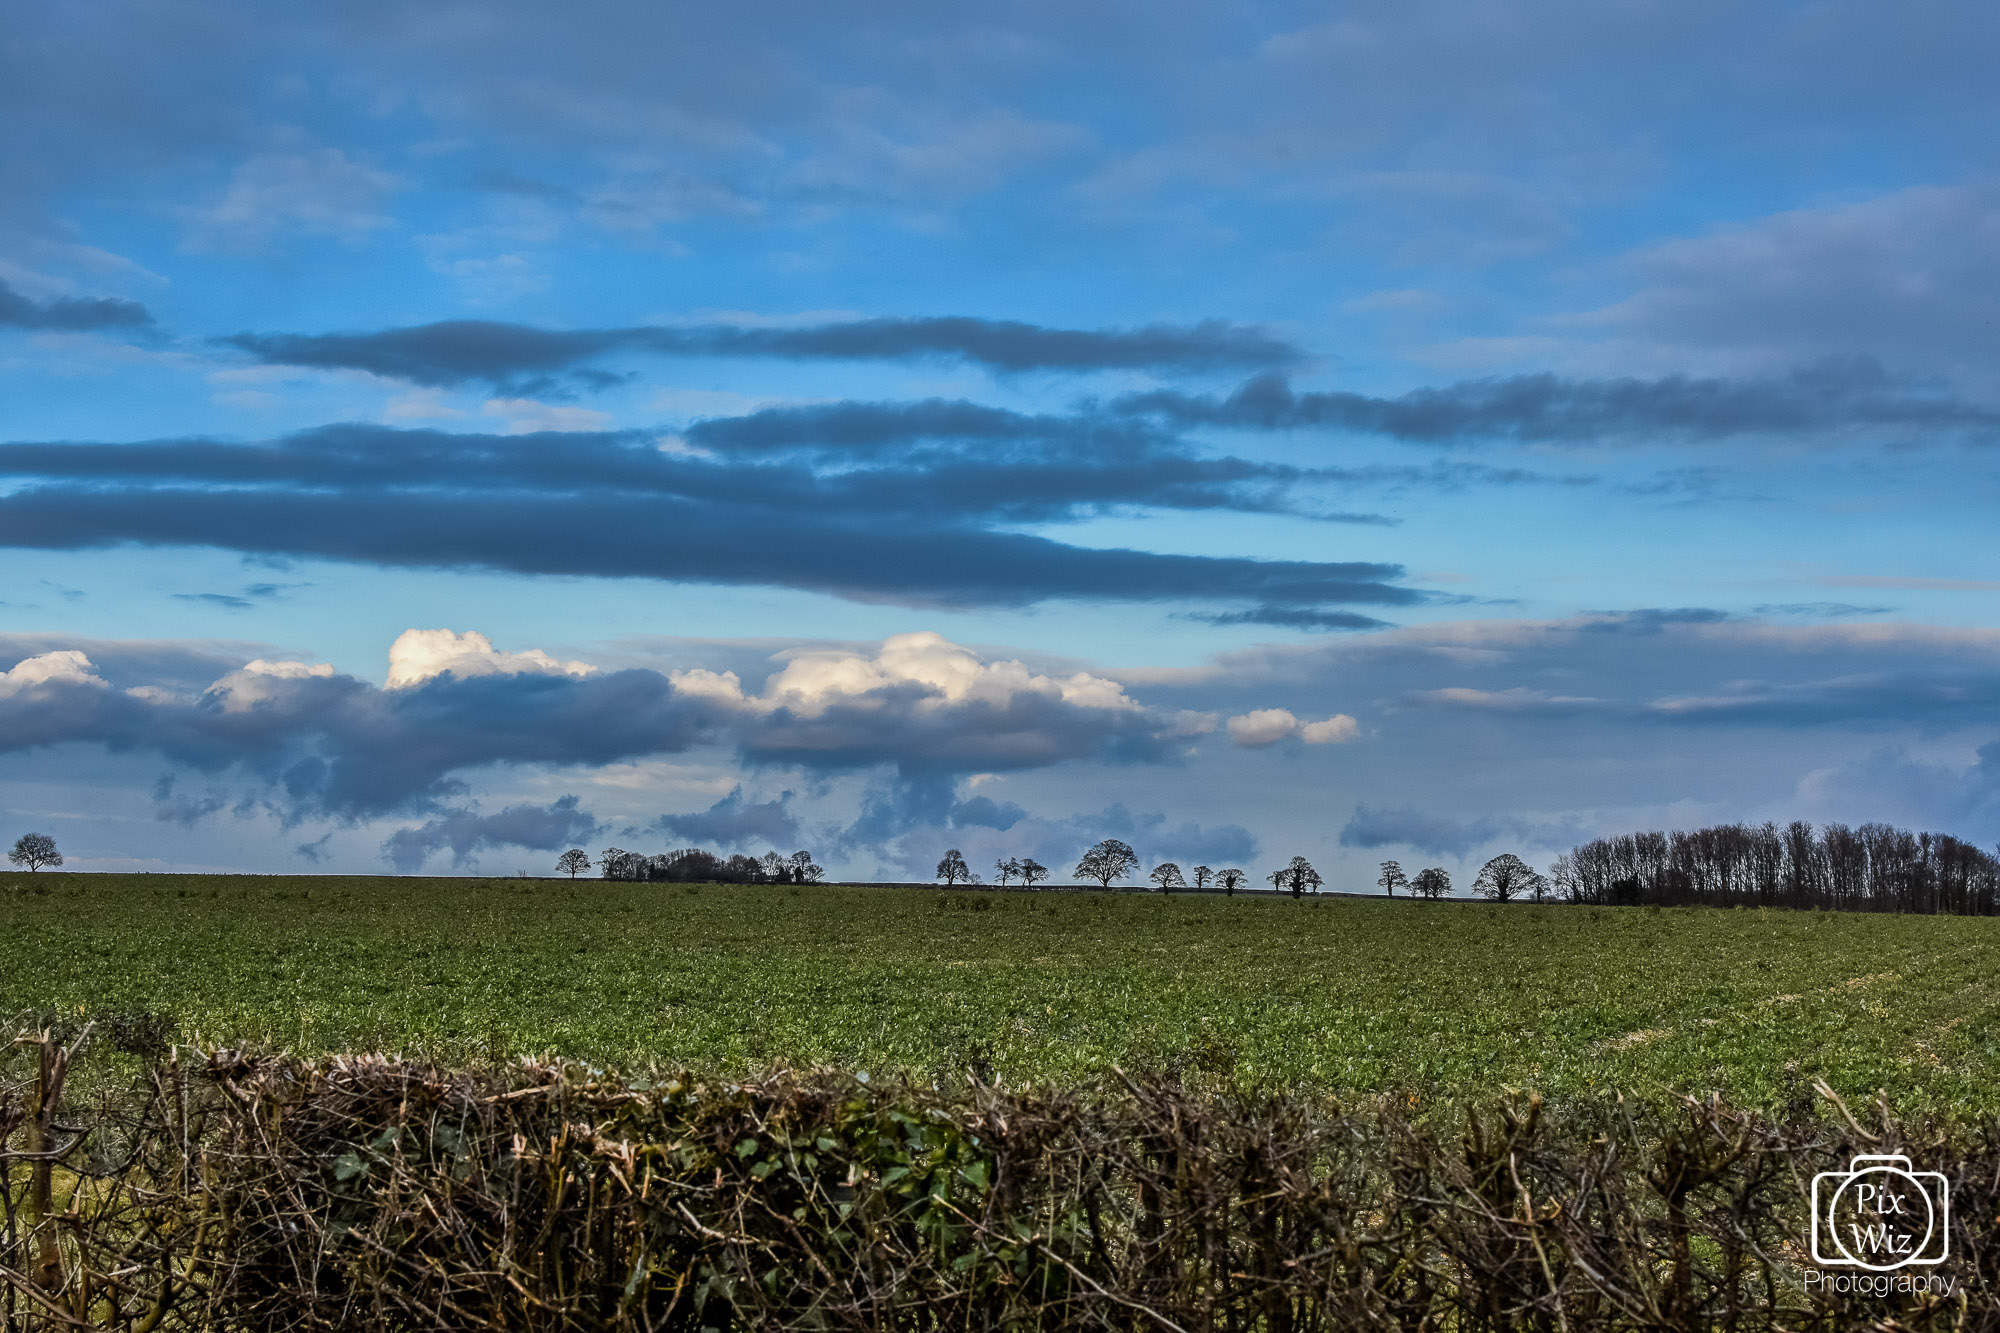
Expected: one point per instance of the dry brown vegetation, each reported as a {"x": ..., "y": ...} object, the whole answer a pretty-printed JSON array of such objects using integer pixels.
[{"x": 221, "y": 1191}]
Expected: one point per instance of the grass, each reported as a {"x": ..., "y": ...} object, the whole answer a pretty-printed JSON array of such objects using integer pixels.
[{"x": 1436, "y": 1000}]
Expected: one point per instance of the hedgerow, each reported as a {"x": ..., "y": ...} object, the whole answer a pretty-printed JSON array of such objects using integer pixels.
[{"x": 231, "y": 1191}]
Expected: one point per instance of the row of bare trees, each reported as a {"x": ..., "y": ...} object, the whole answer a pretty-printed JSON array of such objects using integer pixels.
[
  {"x": 1871, "y": 868},
  {"x": 1113, "y": 859},
  {"x": 1504, "y": 879}
]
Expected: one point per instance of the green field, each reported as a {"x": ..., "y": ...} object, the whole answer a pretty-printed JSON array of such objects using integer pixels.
[{"x": 1435, "y": 999}]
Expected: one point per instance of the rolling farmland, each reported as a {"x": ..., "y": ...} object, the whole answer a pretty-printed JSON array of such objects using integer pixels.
[{"x": 1438, "y": 1000}]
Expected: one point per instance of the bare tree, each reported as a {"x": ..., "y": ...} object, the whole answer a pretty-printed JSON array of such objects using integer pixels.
[
  {"x": 1431, "y": 883},
  {"x": 1108, "y": 860},
  {"x": 1006, "y": 868},
  {"x": 574, "y": 861},
  {"x": 1168, "y": 876},
  {"x": 1031, "y": 871},
  {"x": 775, "y": 869},
  {"x": 1231, "y": 880},
  {"x": 1393, "y": 878},
  {"x": 617, "y": 863},
  {"x": 953, "y": 869},
  {"x": 1507, "y": 877},
  {"x": 1203, "y": 876},
  {"x": 35, "y": 850},
  {"x": 1298, "y": 875},
  {"x": 804, "y": 869}
]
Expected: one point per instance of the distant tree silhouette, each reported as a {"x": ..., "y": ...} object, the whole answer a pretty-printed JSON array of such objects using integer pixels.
[
  {"x": 1297, "y": 875},
  {"x": 1203, "y": 876},
  {"x": 804, "y": 870},
  {"x": 35, "y": 850},
  {"x": 775, "y": 868},
  {"x": 1231, "y": 880},
  {"x": 617, "y": 863},
  {"x": 1393, "y": 878},
  {"x": 1431, "y": 883},
  {"x": 1870, "y": 868},
  {"x": 953, "y": 869},
  {"x": 687, "y": 865},
  {"x": 1507, "y": 877},
  {"x": 575, "y": 861},
  {"x": 1031, "y": 871},
  {"x": 1006, "y": 869},
  {"x": 1108, "y": 860},
  {"x": 1167, "y": 875}
]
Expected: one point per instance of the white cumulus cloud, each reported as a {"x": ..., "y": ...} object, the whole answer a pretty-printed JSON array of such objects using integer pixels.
[
  {"x": 1267, "y": 726},
  {"x": 258, "y": 681},
  {"x": 66, "y": 667},
  {"x": 938, "y": 672},
  {"x": 417, "y": 655},
  {"x": 1334, "y": 730}
]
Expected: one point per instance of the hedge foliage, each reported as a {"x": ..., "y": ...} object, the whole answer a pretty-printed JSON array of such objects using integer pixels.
[{"x": 223, "y": 1191}]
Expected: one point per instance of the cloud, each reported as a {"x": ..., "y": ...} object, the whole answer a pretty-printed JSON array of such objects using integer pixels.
[
  {"x": 1518, "y": 698},
  {"x": 48, "y": 671},
  {"x": 1820, "y": 610},
  {"x": 1891, "y": 785},
  {"x": 526, "y": 416},
  {"x": 1830, "y": 395},
  {"x": 251, "y": 595},
  {"x": 736, "y": 822},
  {"x": 543, "y": 828},
  {"x": 1291, "y": 617},
  {"x": 929, "y": 706},
  {"x": 320, "y": 745},
  {"x": 1911, "y": 584},
  {"x": 1267, "y": 726},
  {"x": 1407, "y": 827},
  {"x": 458, "y": 352},
  {"x": 1930, "y": 697},
  {"x": 916, "y": 531},
  {"x": 170, "y": 806},
  {"x": 1157, "y": 839},
  {"x": 322, "y": 192},
  {"x": 985, "y": 812},
  {"x": 1909, "y": 277},
  {"x": 1335, "y": 730},
  {"x": 419, "y": 655},
  {"x": 317, "y": 744},
  {"x": 910, "y": 802},
  {"x": 70, "y": 314}
]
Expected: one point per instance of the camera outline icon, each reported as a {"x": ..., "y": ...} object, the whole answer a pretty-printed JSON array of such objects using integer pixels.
[{"x": 1872, "y": 1172}]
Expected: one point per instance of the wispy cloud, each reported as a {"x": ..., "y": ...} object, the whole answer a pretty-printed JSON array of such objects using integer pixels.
[
  {"x": 921, "y": 529},
  {"x": 1834, "y": 395},
  {"x": 459, "y": 352},
  {"x": 71, "y": 314}
]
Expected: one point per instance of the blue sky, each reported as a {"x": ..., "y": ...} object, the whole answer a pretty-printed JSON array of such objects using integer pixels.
[{"x": 431, "y": 438}]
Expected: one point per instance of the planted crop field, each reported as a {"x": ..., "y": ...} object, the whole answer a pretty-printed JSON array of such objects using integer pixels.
[{"x": 1436, "y": 1000}]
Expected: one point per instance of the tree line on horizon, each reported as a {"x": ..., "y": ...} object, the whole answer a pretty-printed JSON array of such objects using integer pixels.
[
  {"x": 693, "y": 865},
  {"x": 1114, "y": 859},
  {"x": 1872, "y": 868}
]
